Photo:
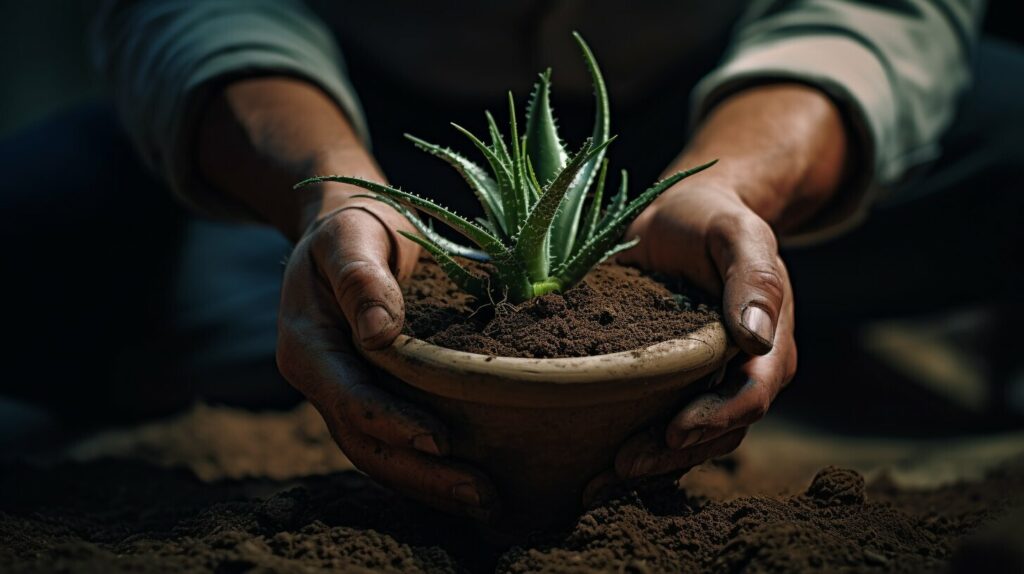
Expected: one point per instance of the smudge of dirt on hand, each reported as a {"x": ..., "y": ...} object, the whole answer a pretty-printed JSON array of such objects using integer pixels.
[{"x": 615, "y": 308}]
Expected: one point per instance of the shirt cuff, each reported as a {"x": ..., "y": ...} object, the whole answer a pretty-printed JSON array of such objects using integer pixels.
[{"x": 854, "y": 78}]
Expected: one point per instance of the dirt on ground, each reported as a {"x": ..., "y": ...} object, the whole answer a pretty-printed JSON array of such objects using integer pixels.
[
  {"x": 177, "y": 496},
  {"x": 615, "y": 308}
]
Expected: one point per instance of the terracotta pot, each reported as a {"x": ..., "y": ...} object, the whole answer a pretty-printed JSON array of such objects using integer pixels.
[{"x": 542, "y": 428}]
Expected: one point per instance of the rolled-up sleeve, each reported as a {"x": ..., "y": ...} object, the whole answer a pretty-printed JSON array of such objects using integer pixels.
[
  {"x": 895, "y": 68},
  {"x": 162, "y": 56}
]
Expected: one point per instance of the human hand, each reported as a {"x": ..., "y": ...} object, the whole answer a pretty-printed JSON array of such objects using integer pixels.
[
  {"x": 260, "y": 135},
  {"x": 706, "y": 233},
  {"x": 340, "y": 290},
  {"x": 783, "y": 152}
]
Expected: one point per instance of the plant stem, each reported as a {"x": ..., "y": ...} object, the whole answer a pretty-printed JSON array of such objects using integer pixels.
[{"x": 549, "y": 285}]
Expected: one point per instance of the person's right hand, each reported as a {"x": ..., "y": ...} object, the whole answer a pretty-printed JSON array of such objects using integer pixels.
[
  {"x": 340, "y": 290},
  {"x": 257, "y": 137}
]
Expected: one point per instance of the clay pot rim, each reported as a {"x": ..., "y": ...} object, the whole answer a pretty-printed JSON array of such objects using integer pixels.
[{"x": 514, "y": 380}]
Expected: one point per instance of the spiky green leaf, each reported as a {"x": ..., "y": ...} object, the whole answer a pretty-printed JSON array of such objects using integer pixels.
[
  {"x": 574, "y": 273},
  {"x": 459, "y": 275},
  {"x": 545, "y": 151},
  {"x": 530, "y": 244},
  {"x": 483, "y": 238},
  {"x": 498, "y": 142},
  {"x": 505, "y": 177},
  {"x": 590, "y": 218},
  {"x": 482, "y": 184},
  {"x": 427, "y": 230},
  {"x": 567, "y": 224},
  {"x": 603, "y": 241},
  {"x": 617, "y": 203},
  {"x": 519, "y": 187}
]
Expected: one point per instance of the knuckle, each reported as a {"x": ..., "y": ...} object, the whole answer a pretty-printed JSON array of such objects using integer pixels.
[
  {"x": 756, "y": 406},
  {"x": 761, "y": 405},
  {"x": 324, "y": 237},
  {"x": 358, "y": 281},
  {"x": 768, "y": 281},
  {"x": 724, "y": 229},
  {"x": 358, "y": 273},
  {"x": 734, "y": 226}
]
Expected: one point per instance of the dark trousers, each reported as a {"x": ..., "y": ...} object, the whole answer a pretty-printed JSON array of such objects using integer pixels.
[{"x": 121, "y": 303}]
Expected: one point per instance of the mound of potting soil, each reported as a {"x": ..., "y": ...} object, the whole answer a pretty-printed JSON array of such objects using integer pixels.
[
  {"x": 832, "y": 527},
  {"x": 124, "y": 516},
  {"x": 615, "y": 308}
]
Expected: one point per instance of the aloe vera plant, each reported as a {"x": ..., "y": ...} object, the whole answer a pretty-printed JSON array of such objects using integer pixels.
[{"x": 535, "y": 236}]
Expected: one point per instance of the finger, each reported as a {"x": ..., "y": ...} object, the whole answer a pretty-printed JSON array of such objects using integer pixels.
[
  {"x": 352, "y": 398},
  {"x": 746, "y": 254},
  {"x": 645, "y": 455},
  {"x": 454, "y": 489},
  {"x": 316, "y": 357},
  {"x": 744, "y": 397},
  {"x": 355, "y": 252},
  {"x": 714, "y": 414}
]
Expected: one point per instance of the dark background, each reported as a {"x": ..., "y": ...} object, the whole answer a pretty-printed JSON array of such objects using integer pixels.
[{"x": 45, "y": 66}]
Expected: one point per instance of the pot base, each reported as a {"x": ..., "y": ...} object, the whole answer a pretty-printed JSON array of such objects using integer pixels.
[{"x": 543, "y": 428}]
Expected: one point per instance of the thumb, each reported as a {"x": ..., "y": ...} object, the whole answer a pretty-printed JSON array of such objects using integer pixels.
[
  {"x": 358, "y": 255},
  {"x": 746, "y": 255}
]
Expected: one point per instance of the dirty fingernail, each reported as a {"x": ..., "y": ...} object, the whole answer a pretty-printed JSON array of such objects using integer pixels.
[
  {"x": 691, "y": 438},
  {"x": 425, "y": 443},
  {"x": 466, "y": 493},
  {"x": 757, "y": 321},
  {"x": 372, "y": 321},
  {"x": 642, "y": 466}
]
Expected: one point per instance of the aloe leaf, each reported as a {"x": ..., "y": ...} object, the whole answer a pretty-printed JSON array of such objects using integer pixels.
[
  {"x": 545, "y": 150},
  {"x": 530, "y": 242},
  {"x": 602, "y": 242},
  {"x": 488, "y": 242},
  {"x": 591, "y": 216},
  {"x": 505, "y": 177},
  {"x": 498, "y": 142},
  {"x": 568, "y": 218},
  {"x": 482, "y": 221},
  {"x": 618, "y": 202},
  {"x": 483, "y": 186},
  {"x": 527, "y": 177},
  {"x": 465, "y": 280},
  {"x": 535, "y": 187},
  {"x": 574, "y": 275},
  {"x": 427, "y": 230},
  {"x": 521, "y": 196}
]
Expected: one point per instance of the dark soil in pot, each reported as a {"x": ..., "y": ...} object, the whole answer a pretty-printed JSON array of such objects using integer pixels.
[{"x": 615, "y": 308}]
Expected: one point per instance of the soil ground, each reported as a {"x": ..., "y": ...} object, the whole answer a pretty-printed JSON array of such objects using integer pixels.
[{"x": 222, "y": 490}]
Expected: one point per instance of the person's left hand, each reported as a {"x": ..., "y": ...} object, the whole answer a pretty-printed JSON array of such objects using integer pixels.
[
  {"x": 783, "y": 153},
  {"x": 705, "y": 233}
]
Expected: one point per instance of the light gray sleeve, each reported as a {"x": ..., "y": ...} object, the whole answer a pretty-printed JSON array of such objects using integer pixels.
[
  {"x": 895, "y": 68},
  {"x": 161, "y": 56}
]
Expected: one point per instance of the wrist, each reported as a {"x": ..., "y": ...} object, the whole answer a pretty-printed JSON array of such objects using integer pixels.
[
  {"x": 259, "y": 136},
  {"x": 782, "y": 148},
  {"x": 315, "y": 202}
]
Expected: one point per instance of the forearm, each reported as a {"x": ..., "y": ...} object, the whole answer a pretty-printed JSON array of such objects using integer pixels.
[
  {"x": 783, "y": 149},
  {"x": 258, "y": 137}
]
